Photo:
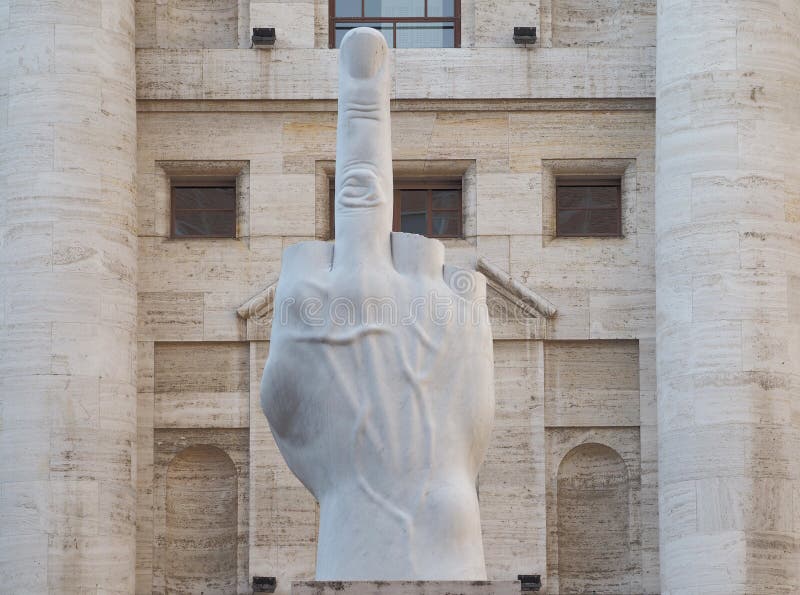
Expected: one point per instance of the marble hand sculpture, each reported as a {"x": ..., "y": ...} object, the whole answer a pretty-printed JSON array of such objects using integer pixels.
[{"x": 379, "y": 382}]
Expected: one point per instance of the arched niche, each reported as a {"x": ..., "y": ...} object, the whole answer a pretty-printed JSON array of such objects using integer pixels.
[
  {"x": 201, "y": 522},
  {"x": 593, "y": 509},
  {"x": 203, "y": 23}
]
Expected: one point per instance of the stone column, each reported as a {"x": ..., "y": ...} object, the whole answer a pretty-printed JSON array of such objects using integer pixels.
[
  {"x": 728, "y": 295},
  {"x": 67, "y": 296}
]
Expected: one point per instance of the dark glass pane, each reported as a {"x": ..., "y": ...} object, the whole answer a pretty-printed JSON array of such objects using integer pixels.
[
  {"x": 446, "y": 224},
  {"x": 441, "y": 8},
  {"x": 205, "y": 224},
  {"x": 204, "y": 198},
  {"x": 387, "y": 29},
  {"x": 414, "y": 211},
  {"x": 603, "y": 197},
  {"x": 572, "y": 223},
  {"x": 414, "y": 223},
  {"x": 348, "y": 8},
  {"x": 413, "y": 201},
  {"x": 446, "y": 199},
  {"x": 394, "y": 8},
  {"x": 604, "y": 222},
  {"x": 425, "y": 35},
  {"x": 571, "y": 197}
]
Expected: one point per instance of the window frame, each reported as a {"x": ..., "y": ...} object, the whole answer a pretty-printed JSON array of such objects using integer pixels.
[
  {"x": 429, "y": 184},
  {"x": 579, "y": 181},
  {"x": 333, "y": 20},
  {"x": 203, "y": 182}
]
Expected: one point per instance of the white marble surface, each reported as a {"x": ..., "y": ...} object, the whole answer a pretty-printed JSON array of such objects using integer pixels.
[{"x": 381, "y": 406}]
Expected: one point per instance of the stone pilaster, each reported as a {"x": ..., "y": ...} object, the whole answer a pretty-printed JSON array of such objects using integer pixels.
[
  {"x": 728, "y": 295},
  {"x": 67, "y": 296}
]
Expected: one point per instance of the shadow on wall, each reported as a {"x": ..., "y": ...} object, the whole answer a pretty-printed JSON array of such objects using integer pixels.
[
  {"x": 593, "y": 542},
  {"x": 201, "y": 507}
]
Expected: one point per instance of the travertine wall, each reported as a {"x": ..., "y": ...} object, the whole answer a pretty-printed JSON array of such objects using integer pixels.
[
  {"x": 530, "y": 115},
  {"x": 605, "y": 23},
  {"x": 201, "y": 519},
  {"x": 727, "y": 270},
  {"x": 510, "y": 119},
  {"x": 198, "y": 519},
  {"x": 601, "y": 499},
  {"x": 67, "y": 296},
  {"x": 603, "y": 289},
  {"x": 593, "y": 500},
  {"x": 194, "y": 397},
  {"x": 304, "y": 23},
  {"x": 184, "y": 24}
]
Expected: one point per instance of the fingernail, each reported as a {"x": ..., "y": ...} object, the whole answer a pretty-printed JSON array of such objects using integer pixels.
[{"x": 363, "y": 50}]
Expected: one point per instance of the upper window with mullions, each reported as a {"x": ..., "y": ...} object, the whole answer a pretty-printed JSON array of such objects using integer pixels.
[{"x": 404, "y": 23}]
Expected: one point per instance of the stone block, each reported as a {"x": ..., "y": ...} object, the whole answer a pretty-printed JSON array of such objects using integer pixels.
[
  {"x": 293, "y": 21},
  {"x": 197, "y": 24},
  {"x": 28, "y": 248},
  {"x": 577, "y": 23},
  {"x": 59, "y": 97},
  {"x": 32, "y": 149},
  {"x": 591, "y": 383},
  {"x": 521, "y": 210},
  {"x": 739, "y": 295},
  {"x": 145, "y": 23},
  {"x": 621, "y": 314},
  {"x": 185, "y": 79},
  {"x": 19, "y": 553},
  {"x": 285, "y": 206},
  {"x": 209, "y": 367},
  {"x": 311, "y": 73},
  {"x": 703, "y": 347},
  {"x": 33, "y": 46},
  {"x": 170, "y": 316},
  {"x": 411, "y": 134},
  {"x": 81, "y": 348},
  {"x": 480, "y": 135},
  {"x": 735, "y": 503}
]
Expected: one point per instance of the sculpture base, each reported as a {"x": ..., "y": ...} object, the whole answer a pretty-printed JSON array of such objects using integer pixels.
[{"x": 406, "y": 587}]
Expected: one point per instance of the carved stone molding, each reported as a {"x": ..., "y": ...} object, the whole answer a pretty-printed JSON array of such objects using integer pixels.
[{"x": 516, "y": 311}]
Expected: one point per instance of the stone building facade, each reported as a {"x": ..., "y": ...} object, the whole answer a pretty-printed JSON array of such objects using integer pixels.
[{"x": 647, "y": 437}]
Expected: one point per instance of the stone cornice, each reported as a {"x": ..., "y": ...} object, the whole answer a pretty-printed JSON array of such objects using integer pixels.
[
  {"x": 519, "y": 295},
  {"x": 398, "y": 105},
  {"x": 418, "y": 74}
]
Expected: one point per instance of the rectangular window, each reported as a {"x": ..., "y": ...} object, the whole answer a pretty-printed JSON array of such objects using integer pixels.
[
  {"x": 404, "y": 23},
  {"x": 204, "y": 208},
  {"x": 431, "y": 208},
  {"x": 588, "y": 207}
]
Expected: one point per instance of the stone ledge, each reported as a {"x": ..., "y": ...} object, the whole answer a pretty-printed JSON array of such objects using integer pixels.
[
  {"x": 406, "y": 587},
  {"x": 303, "y": 74}
]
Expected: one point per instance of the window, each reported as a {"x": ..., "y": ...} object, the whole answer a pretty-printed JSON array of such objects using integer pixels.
[
  {"x": 404, "y": 23},
  {"x": 588, "y": 206},
  {"x": 431, "y": 208},
  {"x": 204, "y": 208}
]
